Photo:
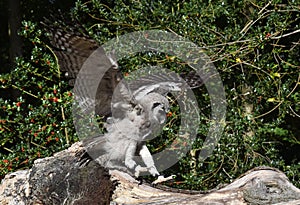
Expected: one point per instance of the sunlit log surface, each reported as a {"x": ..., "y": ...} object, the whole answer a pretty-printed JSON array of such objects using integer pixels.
[{"x": 66, "y": 178}]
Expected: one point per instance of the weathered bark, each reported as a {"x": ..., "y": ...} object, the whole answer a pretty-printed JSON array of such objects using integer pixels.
[
  {"x": 67, "y": 178},
  {"x": 64, "y": 178}
]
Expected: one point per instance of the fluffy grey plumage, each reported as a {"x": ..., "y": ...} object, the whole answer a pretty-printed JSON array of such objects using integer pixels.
[{"x": 142, "y": 118}]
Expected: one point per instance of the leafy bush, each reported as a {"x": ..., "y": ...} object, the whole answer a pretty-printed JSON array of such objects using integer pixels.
[
  {"x": 254, "y": 46},
  {"x": 39, "y": 123}
]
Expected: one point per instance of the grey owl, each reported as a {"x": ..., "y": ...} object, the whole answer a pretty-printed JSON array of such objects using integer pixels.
[{"x": 140, "y": 107}]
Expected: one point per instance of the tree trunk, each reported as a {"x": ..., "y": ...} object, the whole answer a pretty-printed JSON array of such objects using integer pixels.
[
  {"x": 70, "y": 178},
  {"x": 15, "y": 42},
  {"x": 14, "y": 24}
]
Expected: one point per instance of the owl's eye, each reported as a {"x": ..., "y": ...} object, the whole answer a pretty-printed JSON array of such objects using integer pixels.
[
  {"x": 155, "y": 105},
  {"x": 115, "y": 67}
]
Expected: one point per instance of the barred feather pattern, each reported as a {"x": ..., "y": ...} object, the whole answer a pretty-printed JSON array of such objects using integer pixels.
[{"x": 72, "y": 49}]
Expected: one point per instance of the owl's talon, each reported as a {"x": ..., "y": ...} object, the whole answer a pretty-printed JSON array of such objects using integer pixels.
[
  {"x": 139, "y": 169},
  {"x": 161, "y": 179}
]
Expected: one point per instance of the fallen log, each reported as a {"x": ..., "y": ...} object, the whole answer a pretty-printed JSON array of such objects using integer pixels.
[{"x": 66, "y": 178}]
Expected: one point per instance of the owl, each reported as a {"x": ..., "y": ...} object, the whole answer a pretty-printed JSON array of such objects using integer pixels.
[
  {"x": 135, "y": 109},
  {"x": 140, "y": 115}
]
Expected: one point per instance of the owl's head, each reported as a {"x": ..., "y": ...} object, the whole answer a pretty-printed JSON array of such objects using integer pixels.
[{"x": 156, "y": 106}]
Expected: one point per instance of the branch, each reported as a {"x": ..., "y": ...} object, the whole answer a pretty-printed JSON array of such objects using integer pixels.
[
  {"x": 285, "y": 35},
  {"x": 70, "y": 178}
]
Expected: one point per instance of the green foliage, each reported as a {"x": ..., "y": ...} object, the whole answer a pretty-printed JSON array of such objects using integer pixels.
[
  {"x": 39, "y": 122},
  {"x": 254, "y": 46},
  {"x": 256, "y": 54}
]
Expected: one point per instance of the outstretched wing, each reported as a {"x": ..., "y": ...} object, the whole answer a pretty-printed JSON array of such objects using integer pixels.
[{"x": 72, "y": 49}]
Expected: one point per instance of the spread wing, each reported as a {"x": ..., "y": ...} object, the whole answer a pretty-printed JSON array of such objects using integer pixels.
[{"x": 72, "y": 49}]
